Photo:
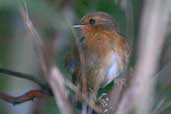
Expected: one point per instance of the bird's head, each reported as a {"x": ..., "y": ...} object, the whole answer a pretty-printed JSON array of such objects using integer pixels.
[{"x": 96, "y": 23}]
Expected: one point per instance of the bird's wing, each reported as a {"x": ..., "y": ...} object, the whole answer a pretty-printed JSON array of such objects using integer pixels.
[
  {"x": 71, "y": 59},
  {"x": 126, "y": 53},
  {"x": 122, "y": 47},
  {"x": 72, "y": 63}
]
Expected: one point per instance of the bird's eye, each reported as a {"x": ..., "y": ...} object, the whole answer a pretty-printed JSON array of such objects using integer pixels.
[{"x": 92, "y": 21}]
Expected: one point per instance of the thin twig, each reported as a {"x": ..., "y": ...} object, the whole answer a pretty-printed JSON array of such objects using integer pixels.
[
  {"x": 29, "y": 96},
  {"x": 23, "y": 76},
  {"x": 152, "y": 34},
  {"x": 162, "y": 106},
  {"x": 52, "y": 75},
  {"x": 153, "y": 28},
  {"x": 82, "y": 69},
  {"x": 57, "y": 83}
]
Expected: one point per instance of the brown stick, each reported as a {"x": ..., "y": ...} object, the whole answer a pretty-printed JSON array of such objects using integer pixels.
[{"x": 29, "y": 96}]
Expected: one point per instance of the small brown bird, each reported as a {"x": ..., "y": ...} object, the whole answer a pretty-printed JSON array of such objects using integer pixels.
[{"x": 105, "y": 52}]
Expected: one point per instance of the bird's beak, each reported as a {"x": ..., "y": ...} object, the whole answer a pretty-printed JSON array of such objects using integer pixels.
[{"x": 77, "y": 26}]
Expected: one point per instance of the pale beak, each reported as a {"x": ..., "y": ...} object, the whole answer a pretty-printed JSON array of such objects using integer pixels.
[{"x": 77, "y": 26}]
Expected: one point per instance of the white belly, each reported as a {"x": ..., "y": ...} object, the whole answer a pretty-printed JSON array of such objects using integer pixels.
[{"x": 113, "y": 67}]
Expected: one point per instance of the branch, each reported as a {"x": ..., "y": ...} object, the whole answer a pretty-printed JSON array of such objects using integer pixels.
[
  {"x": 44, "y": 87},
  {"x": 45, "y": 92},
  {"x": 25, "y": 97},
  {"x": 24, "y": 76}
]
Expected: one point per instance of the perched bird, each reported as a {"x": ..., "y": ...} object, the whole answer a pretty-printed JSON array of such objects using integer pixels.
[{"x": 104, "y": 49}]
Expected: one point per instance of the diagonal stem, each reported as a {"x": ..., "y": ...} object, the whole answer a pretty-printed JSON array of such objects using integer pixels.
[{"x": 24, "y": 76}]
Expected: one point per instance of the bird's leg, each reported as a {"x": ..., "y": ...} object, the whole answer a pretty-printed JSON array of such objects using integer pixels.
[
  {"x": 103, "y": 101},
  {"x": 30, "y": 95}
]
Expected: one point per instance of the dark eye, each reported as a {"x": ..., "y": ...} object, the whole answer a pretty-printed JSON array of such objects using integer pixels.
[{"x": 92, "y": 21}]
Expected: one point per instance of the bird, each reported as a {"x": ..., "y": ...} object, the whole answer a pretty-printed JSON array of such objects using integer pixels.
[{"x": 105, "y": 52}]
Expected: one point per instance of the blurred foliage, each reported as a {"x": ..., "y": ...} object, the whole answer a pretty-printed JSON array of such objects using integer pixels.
[{"x": 48, "y": 17}]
